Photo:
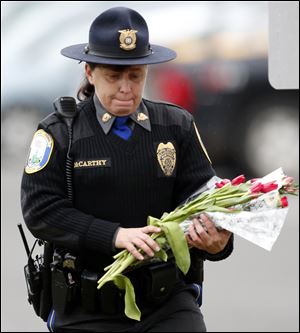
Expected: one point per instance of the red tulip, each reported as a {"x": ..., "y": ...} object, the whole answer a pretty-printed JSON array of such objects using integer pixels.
[
  {"x": 222, "y": 183},
  {"x": 288, "y": 181},
  {"x": 238, "y": 180},
  {"x": 256, "y": 187},
  {"x": 219, "y": 185},
  {"x": 225, "y": 181},
  {"x": 284, "y": 202},
  {"x": 289, "y": 186},
  {"x": 268, "y": 187}
]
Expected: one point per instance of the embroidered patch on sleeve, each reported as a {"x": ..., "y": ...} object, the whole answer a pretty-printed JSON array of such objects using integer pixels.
[{"x": 40, "y": 151}]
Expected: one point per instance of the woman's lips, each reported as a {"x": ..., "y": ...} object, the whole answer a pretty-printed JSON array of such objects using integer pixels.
[{"x": 120, "y": 102}]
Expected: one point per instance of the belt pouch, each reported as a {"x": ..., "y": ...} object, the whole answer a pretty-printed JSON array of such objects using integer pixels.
[
  {"x": 159, "y": 280},
  {"x": 89, "y": 290},
  {"x": 63, "y": 295}
]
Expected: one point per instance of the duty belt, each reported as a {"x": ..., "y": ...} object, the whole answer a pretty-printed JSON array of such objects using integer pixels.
[{"x": 153, "y": 285}]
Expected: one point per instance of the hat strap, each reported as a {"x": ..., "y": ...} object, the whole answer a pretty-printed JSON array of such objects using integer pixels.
[{"x": 92, "y": 50}]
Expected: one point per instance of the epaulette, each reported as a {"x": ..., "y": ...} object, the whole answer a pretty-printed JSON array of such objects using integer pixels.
[
  {"x": 52, "y": 118},
  {"x": 55, "y": 127},
  {"x": 180, "y": 117},
  {"x": 49, "y": 120},
  {"x": 164, "y": 103}
]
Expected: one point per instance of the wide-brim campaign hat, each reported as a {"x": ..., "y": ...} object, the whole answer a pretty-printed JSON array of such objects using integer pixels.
[{"x": 119, "y": 36}]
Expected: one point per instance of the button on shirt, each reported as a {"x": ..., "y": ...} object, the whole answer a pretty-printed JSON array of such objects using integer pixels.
[{"x": 106, "y": 119}]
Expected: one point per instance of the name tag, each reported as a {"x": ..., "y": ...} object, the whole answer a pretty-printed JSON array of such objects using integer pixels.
[{"x": 103, "y": 163}]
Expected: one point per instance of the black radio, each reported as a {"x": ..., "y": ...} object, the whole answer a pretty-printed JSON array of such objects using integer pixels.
[{"x": 37, "y": 277}]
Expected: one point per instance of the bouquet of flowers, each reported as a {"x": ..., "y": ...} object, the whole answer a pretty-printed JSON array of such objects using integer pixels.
[{"x": 253, "y": 209}]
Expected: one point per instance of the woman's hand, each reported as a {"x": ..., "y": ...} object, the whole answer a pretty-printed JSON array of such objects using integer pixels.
[
  {"x": 134, "y": 239},
  {"x": 203, "y": 235}
]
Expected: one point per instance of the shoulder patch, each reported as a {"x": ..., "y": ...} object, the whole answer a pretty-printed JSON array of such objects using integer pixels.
[{"x": 40, "y": 151}]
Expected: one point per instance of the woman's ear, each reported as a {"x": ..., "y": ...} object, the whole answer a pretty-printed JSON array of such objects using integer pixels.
[{"x": 89, "y": 74}]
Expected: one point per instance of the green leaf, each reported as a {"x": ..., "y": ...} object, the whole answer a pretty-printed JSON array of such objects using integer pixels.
[
  {"x": 153, "y": 221},
  {"x": 178, "y": 244},
  {"x": 200, "y": 207},
  {"x": 161, "y": 240},
  {"x": 219, "y": 209},
  {"x": 162, "y": 254},
  {"x": 164, "y": 215},
  {"x": 131, "y": 309},
  {"x": 243, "y": 187}
]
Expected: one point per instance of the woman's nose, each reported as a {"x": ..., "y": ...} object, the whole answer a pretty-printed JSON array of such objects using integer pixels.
[{"x": 125, "y": 86}]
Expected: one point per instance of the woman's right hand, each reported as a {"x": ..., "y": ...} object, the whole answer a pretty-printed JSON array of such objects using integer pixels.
[{"x": 134, "y": 239}]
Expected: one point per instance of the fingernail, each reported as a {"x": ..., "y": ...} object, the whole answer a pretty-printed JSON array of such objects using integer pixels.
[{"x": 157, "y": 249}]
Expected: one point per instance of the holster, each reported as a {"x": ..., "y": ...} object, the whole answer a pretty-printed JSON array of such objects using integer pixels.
[
  {"x": 88, "y": 290},
  {"x": 64, "y": 295},
  {"x": 108, "y": 300}
]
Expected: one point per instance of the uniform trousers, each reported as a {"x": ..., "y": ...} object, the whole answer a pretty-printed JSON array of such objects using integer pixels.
[{"x": 180, "y": 313}]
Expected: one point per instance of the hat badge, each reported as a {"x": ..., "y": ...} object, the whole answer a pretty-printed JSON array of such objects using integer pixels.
[{"x": 127, "y": 39}]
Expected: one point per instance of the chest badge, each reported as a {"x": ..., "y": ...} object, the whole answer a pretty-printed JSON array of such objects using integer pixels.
[{"x": 166, "y": 156}]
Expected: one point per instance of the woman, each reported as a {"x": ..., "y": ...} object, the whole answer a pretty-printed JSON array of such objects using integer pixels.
[{"x": 131, "y": 158}]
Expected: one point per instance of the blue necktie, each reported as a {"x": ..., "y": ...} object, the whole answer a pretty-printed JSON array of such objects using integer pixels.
[{"x": 121, "y": 129}]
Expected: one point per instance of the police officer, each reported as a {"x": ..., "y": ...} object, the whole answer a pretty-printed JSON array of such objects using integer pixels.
[{"x": 132, "y": 158}]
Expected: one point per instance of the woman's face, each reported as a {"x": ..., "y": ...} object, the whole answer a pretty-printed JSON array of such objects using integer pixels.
[{"x": 119, "y": 88}]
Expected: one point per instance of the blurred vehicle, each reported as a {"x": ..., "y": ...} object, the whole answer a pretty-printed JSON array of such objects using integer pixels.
[
  {"x": 220, "y": 76},
  {"x": 244, "y": 122}
]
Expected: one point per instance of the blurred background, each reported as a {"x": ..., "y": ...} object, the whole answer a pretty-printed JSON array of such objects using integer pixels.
[{"x": 221, "y": 77}]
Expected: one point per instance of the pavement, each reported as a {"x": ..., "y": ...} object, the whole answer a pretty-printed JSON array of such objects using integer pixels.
[{"x": 253, "y": 290}]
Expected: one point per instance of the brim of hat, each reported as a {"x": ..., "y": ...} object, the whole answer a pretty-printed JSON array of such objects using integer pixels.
[{"x": 159, "y": 54}]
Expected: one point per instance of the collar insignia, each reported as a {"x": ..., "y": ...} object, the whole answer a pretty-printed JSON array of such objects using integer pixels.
[
  {"x": 141, "y": 117},
  {"x": 106, "y": 117},
  {"x": 127, "y": 39},
  {"x": 166, "y": 156}
]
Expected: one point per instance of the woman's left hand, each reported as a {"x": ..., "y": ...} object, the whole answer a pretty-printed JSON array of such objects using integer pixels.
[{"x": 203, "y": 235}]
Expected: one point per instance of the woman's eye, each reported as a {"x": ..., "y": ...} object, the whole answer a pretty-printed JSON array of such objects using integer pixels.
[
  {"x": 114, "y": 76},
  {"x": 135, "y": 77}
]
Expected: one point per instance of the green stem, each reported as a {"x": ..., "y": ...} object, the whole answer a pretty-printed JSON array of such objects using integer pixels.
[
  {"x": 113, "y": 264},
  {"x": 119, "y": 254},
  {"x": 230, "y": 196}
]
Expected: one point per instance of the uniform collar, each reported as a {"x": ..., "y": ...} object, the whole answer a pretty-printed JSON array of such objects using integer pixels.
[{"x": 106, "y": 119}]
